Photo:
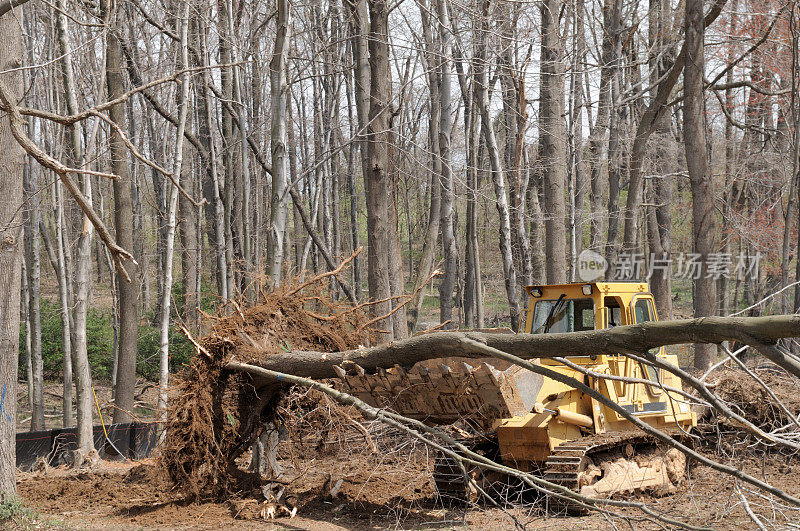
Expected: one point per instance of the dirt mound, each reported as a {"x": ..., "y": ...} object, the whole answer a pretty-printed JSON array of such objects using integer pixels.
[
  {"x": 752, "y": 401},
  {"x": 216, "y": 415}
]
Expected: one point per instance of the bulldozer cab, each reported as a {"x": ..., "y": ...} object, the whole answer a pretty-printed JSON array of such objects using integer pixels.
[{"x": 576, "y": 307}]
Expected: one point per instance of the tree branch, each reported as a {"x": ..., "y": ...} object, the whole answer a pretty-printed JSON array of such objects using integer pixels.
[
  {"x": 16, "y": 121},
  {"x": 8, "y": 5},
  {"x": 635, "y": 339},
  {"x": 323, "y": 249}
]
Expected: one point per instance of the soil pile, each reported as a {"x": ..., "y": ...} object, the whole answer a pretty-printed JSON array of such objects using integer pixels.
[
  {"x": 216, "y": 415},
  {"x": 752, "y": 401}
]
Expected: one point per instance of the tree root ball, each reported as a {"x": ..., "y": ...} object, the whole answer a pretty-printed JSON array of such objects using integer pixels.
[{"x": 215, "y": 415}]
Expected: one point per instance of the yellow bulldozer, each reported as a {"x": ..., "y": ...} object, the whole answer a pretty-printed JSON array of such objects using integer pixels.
[{"x": 537, "y": 424}]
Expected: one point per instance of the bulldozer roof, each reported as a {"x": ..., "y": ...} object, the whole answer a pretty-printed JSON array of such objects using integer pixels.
[{"x": 620, "y": 286}]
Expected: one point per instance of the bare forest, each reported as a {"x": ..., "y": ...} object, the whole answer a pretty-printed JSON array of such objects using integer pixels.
[{"x": 202, "y": 203}]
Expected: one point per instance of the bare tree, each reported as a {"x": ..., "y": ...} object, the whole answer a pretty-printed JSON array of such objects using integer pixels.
[
  {"x": 11, "y": 243},
  {"x": 552, "y": 141},
  {"x": 123, "y": 219},
  {"x": 448, "y": 195},
  {"x": 33, "y": 292},
  {"x": 694, "y": 132},
  {"x": 279, "y": 95},
  {"x": 172, "y": 206},
  {"x": 377, "y": 180},
  {"x": 481, "y": 81},
  {"x": 426, "y": 260},
  {"x": 75, "y": 155}
]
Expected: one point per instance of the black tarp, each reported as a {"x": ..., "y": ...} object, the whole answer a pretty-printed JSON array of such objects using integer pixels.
[{"x": 135, "y": 440}]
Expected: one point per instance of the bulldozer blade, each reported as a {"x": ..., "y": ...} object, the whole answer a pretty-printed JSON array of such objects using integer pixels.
[{"x": 440, "y": 392}]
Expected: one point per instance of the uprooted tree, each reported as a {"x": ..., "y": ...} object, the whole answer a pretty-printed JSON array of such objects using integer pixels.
[{"x": 297, "y": 336}]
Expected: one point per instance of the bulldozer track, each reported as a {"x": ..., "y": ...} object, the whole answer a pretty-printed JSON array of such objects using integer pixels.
[
  {"x": 565, "y": 464},
  {"x": 563, "y": 467},
  {"x": 451, "y": 484}
]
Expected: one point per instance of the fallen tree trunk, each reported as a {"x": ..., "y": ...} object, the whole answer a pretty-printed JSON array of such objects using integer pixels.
[{"x": 759, "y": 332}]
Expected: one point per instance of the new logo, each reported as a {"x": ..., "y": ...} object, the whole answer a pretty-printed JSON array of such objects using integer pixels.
[{"x": 591, "y": 266}]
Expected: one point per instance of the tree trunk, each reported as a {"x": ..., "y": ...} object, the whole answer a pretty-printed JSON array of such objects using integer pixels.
[
  {"x": 498, "y": 177},
  {"x": 34, "y": 315},
  {"x": 763, "y": 332},
  {"x": 11, "y": 242},
  {"x": 278, "y": 94},
  {"x": 796, "y": 166},
  {"x": 378, "y": 186},
  {"x": 576, "y": 122},
  {"x": 537, "y": 221},
  {"x": 359, "y": 29},
  {"x": 160, "y": 189},
  {"x": 172, "y": 207},
  {"x": 396, "y": 274},
  {"x": 448, "y": 195},
  {"x": 659, "y": 215},
  {"x": 355, "y": 238},
  {"x": 615, "y": 149},
  {"x": 229, "y": 145},
  {"x": 425, "y": 265},
  {"x": 723, "y": 284},
  {"x": 123, "y": 222},
  {"x": 25, "y": 317},
  {"x": 242, "y": 165},
  {"x": 794, "y": 193},
  {"x": 212, "y": 188},
  {"x": 64, "y": 297},
  {"x": 75, "y": 152},
  {"x": 515, "y": 116},
  {"x": 552, "y": 138},
  {"x": 598, "y": 139},
  {"x": 85, "y": 451},
  {"x": 473, "y": 304},
  {"x": 694, "y": 131},
  {"x": 190, "y": 255}
]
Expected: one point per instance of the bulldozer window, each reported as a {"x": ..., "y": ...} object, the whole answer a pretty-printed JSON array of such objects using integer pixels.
[
  {"x": 643, "y": 310},
  {"x": 654, "y": 375},
  {"x": 613, "y": 311},
  {"x": 568, "y": 315}
]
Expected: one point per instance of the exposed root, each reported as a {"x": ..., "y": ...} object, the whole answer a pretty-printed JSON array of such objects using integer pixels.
[{"x": 215, "y": 415}]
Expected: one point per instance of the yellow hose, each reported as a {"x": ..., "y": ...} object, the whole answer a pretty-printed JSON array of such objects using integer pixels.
[
  {"x": 96, "y": 403},
  {"x": 103, "y": 424}
]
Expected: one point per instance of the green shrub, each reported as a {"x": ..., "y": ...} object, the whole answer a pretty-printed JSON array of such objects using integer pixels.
[
  {"x": 181, "y": 351},
  {"x": 99, "y": 335},
  {"x": 13, "y": 508},
  {"x": 100, "y": 346},
  {"x": 208, "y": 297}
]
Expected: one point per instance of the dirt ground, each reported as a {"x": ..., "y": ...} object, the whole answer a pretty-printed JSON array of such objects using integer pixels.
[
  {"x": 386, "y": 482},
  {"x": 387, "y": 489}
]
